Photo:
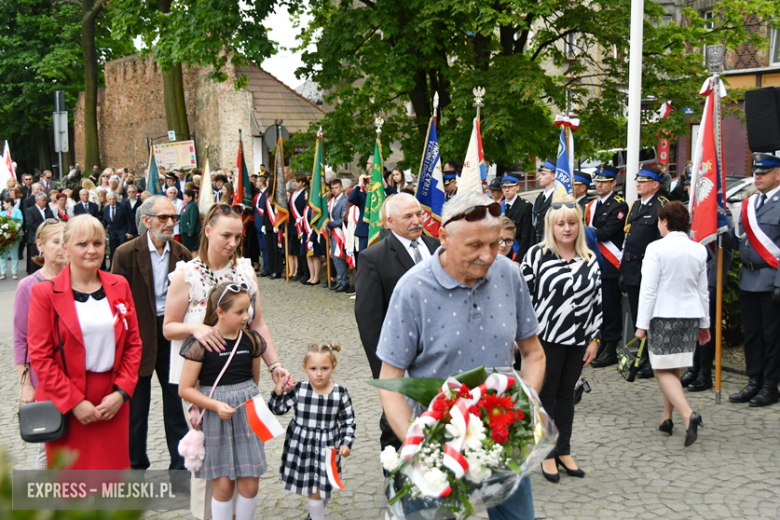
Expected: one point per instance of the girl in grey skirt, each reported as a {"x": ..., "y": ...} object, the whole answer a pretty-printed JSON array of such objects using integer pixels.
[{"x": 228, "y": 378}]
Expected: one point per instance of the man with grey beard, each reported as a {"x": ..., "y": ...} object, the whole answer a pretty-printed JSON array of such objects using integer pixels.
[
  {"x": 381, "y": 266},
  {"x": 146, "y": 263}
]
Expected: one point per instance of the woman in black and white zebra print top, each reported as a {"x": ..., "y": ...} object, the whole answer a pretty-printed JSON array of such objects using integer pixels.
[{"x": 565, "y": 283}]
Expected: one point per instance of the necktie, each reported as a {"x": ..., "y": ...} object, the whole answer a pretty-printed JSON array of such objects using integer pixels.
[
  {"x": 86, "y": 208},
  {"x": 112, "y": 213},
  {"x": 761, "y": 201},
  {"x": 417, "y": 256}
]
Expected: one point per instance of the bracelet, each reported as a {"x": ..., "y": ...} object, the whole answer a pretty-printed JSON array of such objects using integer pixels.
[
  {"x": 597, "y": 340},
  {"x": 273, "y": 366}
]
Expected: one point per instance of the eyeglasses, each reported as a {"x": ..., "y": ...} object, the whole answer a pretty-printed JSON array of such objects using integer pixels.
[
  {"x": 227, "y": 208},
  {"x": 559, "y": 205},
  {"x": 476, "y": 213},
  {"x": 164, "y": 218},
  {"x": 49, "y": 221},
  {"x": 506, "y": 241},
  {"x": 234, "y": 288}
]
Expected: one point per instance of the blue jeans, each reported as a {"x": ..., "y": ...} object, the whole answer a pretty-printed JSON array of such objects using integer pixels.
[
  {"x": 14, "y": 252},
  {"x": 341, "y": 270},
  {"x": 520, "y": 506}
]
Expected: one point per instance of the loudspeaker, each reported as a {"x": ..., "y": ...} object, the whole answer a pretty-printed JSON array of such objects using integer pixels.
[{"x": 763, "y": 119}]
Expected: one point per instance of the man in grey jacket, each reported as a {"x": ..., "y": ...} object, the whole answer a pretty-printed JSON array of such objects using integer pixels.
[
  {"x": 337, "y": 208},
  {"x": 758, "y": 230}
]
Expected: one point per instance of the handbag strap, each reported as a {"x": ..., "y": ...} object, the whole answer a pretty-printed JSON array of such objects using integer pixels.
[
  {"x": 59, "y": 340},
  {"x": 216, "y": 381}
]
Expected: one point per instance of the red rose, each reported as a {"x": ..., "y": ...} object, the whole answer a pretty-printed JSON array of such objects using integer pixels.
[
  {"x": 440, "y": 406},
  {"x": 500, "y": 434}
]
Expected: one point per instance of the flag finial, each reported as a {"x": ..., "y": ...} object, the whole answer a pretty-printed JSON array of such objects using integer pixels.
[
  {"x": 435, "y": 101},
  {"x": 319, "y": 132},
  {"x": 479, "y": 93},
  {"x": 379, "y": 122}
]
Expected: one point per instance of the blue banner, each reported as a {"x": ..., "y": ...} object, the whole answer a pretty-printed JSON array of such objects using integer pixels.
[{"x": 430, "y": 183}]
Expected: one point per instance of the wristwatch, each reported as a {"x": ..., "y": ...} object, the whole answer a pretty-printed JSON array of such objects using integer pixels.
[
  {"x": 125, "y": 396},
  {"x": 273, "y": 366}
]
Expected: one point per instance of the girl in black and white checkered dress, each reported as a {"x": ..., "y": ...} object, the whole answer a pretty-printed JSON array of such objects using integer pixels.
[{"x": 324, "y": 419}]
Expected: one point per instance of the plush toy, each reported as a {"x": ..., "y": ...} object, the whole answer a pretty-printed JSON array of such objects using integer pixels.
[{"x": 192, "y": 449}]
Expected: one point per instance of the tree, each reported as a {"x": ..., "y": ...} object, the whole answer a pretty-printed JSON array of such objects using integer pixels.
[
  {"x": 530, "y": 56},
  {"x": 40, "y": 52},
  {"x": 204, "y": 33}
]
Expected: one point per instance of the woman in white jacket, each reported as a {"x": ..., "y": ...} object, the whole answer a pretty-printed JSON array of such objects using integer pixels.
[{"x": 674, "y": 310}]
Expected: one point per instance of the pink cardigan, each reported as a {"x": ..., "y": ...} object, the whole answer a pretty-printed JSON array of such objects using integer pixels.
[{"x": 21, "y": 312}]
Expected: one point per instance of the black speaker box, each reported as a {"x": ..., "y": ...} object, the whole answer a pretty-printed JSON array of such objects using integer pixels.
[{"x": 763, "y": 119}]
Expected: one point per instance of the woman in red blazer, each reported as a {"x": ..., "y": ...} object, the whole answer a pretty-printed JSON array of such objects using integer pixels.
[{"x": 91, "y": 314}]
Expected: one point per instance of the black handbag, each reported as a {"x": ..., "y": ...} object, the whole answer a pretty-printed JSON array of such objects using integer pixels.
[
  {"x": 42, "y": 421},
  {"x": 628, "y": 363}
]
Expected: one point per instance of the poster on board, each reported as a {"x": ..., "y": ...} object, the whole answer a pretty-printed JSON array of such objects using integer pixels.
[{"x": 180, "y": 154}]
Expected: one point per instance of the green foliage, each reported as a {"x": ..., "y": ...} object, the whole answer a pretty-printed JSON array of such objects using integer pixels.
[
  {"x": 374, "y": 57},
  {"x": 199, "y": 32},
  {"x": 40, "y": 52},
  {"x": 424, "y": 389}
]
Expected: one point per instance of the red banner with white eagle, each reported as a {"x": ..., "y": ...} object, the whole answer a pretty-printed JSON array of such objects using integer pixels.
[{"x": 707, "y": 204}]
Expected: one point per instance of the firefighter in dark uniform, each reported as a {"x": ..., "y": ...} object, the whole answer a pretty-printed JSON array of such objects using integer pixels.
[
  {"x": 607, "y": 215},
  {"x": 641, "y": 229},
  {"x": 582, "y": 182},
  {"x": 757, "y": 228},
  {"x": 546, "y": 178},
  {"x": 450, "y": 185}
]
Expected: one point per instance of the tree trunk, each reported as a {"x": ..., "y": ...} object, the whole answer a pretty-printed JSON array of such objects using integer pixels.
[
  {"x": 173, "y": 92},
  {"x": 175, "y": 109},
  {"x": 89, "y": 12},
  {"x": 43, "y": 156}
]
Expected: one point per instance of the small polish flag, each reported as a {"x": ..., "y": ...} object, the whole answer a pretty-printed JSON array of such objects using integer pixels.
[
  {"x": 665, "y": 109},
  {"x": 331, "y": 468},
  {"x": 261, "y": 420}
]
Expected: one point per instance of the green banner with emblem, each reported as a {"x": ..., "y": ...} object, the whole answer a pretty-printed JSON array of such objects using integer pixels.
[{"x": 376, "y": 196}]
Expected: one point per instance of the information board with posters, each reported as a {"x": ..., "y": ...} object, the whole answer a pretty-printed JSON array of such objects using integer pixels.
[{"x": 180, "y": 154}]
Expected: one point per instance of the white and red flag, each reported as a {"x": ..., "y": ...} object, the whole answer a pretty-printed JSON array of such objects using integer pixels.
[
  {"x": 331, "y": 467},
  {"x": 261, "y": 420},
  {"x": 707, "y": 202}
]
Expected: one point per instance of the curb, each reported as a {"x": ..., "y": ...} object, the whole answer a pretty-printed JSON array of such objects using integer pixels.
[{"x": 732, "y": 369}]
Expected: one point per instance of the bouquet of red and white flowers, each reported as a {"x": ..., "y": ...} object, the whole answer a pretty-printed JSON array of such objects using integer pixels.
[
  {"x": 479, "y": 436},
  {"x": 10, "y": 230}
]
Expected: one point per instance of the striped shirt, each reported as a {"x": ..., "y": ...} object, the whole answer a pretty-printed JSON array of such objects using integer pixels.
[{"x": 566, "y": 296}]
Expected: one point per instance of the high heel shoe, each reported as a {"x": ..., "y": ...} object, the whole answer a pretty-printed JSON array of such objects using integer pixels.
[
  {"x": 571, "y": 472},
  {"x": 666, "y": 426},
  {"x": 693, "y": 425},
  {"x": 552, "y": 477}
]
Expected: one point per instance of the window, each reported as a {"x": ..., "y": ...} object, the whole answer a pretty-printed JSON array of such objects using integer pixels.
[
  {"x": 774, "y": 46},
  {"x": 570, "y": 45},
  {"x": 707, "y": 15}
]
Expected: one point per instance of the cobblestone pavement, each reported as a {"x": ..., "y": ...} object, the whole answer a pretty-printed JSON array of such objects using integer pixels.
[{"x": 634, "y": 471}]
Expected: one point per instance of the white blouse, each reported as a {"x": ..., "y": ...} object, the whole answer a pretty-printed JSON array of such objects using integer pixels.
[{"x": 97, "y": 328}]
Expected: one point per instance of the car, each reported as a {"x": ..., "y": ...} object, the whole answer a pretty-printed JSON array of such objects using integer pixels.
[
  {"x": 647, "y": 157},
  {"x": 739, "y": 189}
]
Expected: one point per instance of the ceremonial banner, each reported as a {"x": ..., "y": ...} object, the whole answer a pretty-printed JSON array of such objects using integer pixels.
[
  {"x": 206, "y": 194},
  {"x": 318, "y": 200},
  {"x": 707, "y": 203},
  {"x": 278, "y": 197},
  {"x": 376, "y": 196},
  {"x": 153, "y": 177},
  {"x": 430, "y": 183},
  {"x": 6, "y": 166},
  {"x": 473, "y": 177},
  {"x": 243, "y": 191},
  {"x": 564, "y": 166}
]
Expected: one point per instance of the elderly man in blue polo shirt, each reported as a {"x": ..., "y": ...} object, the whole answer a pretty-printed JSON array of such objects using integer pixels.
[{"x": 464, "y": 307}]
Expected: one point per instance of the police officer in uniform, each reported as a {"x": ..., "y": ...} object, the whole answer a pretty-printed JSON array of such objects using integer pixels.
[
  {"x": 582, "y": 182},
  {"x": 759, "y": 284},
  {"x": 519, "y": 211},
  {"x": 641, "y": 229},
  {"x": 546, "y": 178},
  {"x": 607, "y": 215}
]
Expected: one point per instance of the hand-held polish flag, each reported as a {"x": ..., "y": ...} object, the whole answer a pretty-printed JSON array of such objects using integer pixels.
[
  {"x": 430, "y": 183},
  {"x": 261, "y": 420},
  {"x": 331, "y": 468},
  {"x": 473, "y": 177},
  {"x": 376, "y": 196},
  {"x": 243, "y": 192},
  {"x": 206, "y": 194},
  {"x": 153, "y": 177},
  {"x": 564, "y": 166},
  {"x": 707, "y": 203},
  {"x": 318, "y": 200}
]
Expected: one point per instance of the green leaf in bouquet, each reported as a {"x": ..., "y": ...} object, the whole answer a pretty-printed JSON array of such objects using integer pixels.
[
  {"x": 424, "y": 389},
  {"x": 468, "y": 509},
  {"x": 401, "y": 493},
  {"x": 514, "y": 466}
]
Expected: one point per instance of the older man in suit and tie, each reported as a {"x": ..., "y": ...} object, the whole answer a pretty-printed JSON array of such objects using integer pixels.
[
  {"x": 35, "y": 215},
  {"x": 381, "y": 266},
  {"x": 85, "y": 207},
  {"x": 758, "y": 230},
  {"x": 146, "y": 262},
  {"x": 116, "y": 221}
]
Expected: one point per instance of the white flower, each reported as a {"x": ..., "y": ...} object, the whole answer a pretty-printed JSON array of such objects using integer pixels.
[
  {"x": 477, "y": 474},
  {"x": 389, "y": 458},
  {"x": 435, "y": 478}
]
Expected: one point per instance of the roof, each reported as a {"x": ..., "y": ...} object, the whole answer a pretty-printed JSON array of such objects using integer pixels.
[{"x": 272, "y": 100}]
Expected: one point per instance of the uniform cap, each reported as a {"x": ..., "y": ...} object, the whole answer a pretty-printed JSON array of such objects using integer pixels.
[
  {"x": 495, "y": 184},
  {"x": 605, "y": 172},
  {"x": 764, "y": 162},
  {"x": 582, "y": 178},
  {"x": 549, "y": 164},
  {"x": 449, "y": 176},
  {"x": 648, "y": 173},
  {"x": 510, "y": 180}
]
